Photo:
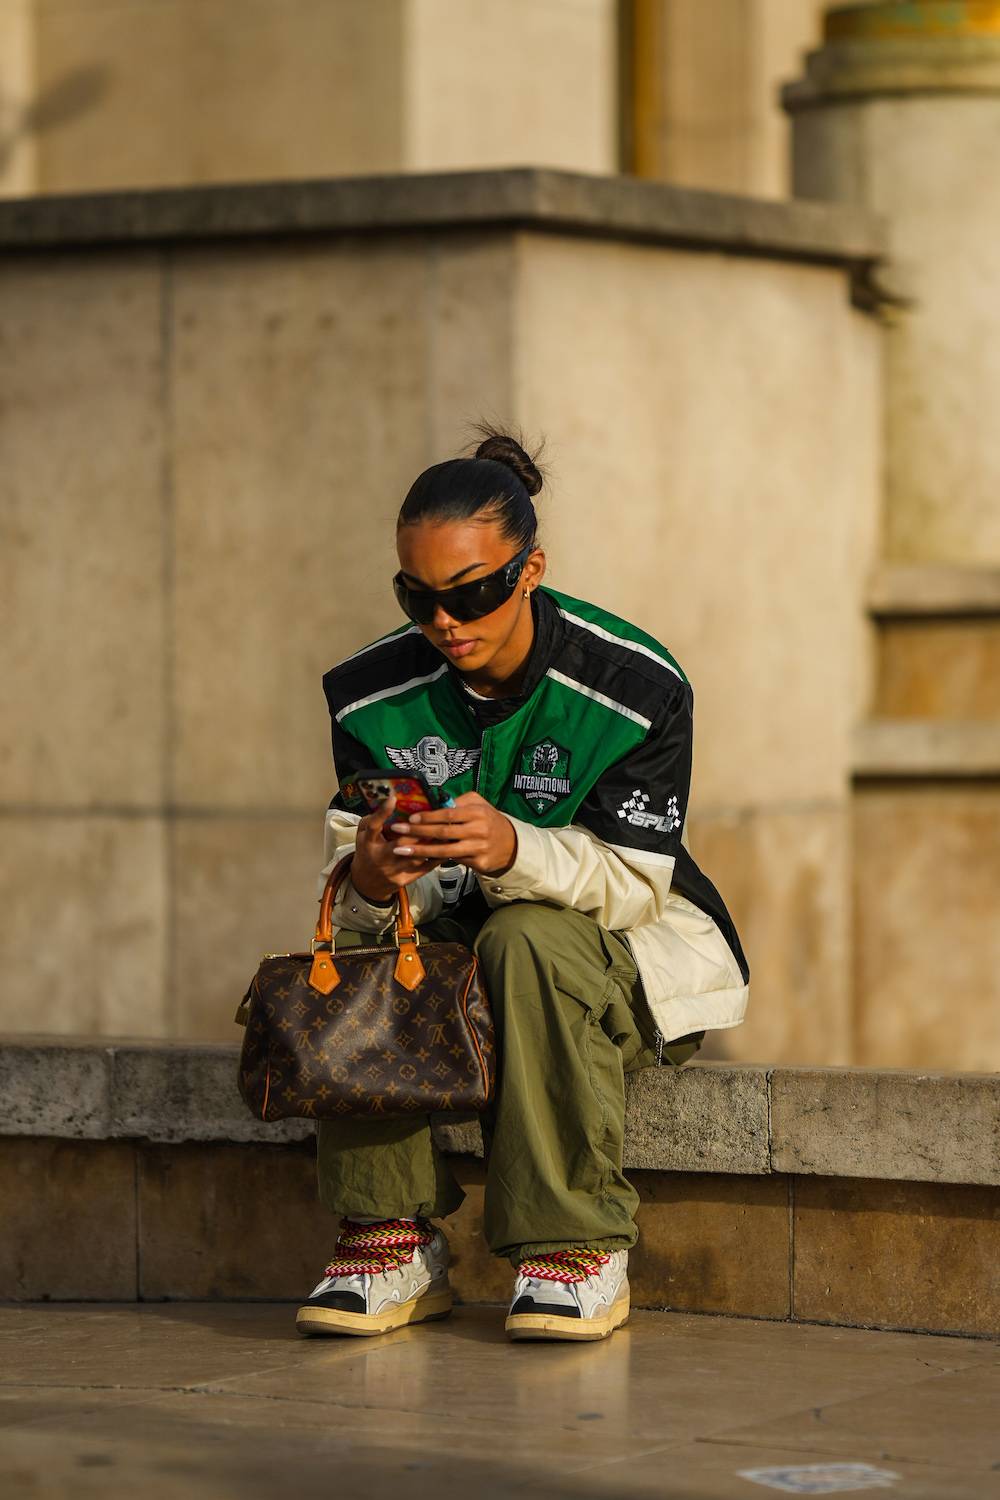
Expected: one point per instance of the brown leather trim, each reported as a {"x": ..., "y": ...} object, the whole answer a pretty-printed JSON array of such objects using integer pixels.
[
  {"x": 323, "y": 974},
  {"x": 472, "y": 1030},
  {"x": 409, "y": 970},
  {"x": 324, "y": 922}
]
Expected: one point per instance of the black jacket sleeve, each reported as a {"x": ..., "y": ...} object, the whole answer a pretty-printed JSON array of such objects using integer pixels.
[
  {"x": 349, "y": 757},
  {"x": 640, "y": 801}
]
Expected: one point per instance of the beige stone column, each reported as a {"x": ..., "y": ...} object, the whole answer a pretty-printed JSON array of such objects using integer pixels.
[
  {"x": 704, "y": 81},
  {"x": 899, "y": 110}
]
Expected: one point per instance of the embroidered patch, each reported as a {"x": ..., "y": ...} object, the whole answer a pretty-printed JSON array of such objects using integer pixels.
[
  {"x": 542, "y": 777},
  {"x": 635, "y": 810},
  {"x": 436, "y": 761}
]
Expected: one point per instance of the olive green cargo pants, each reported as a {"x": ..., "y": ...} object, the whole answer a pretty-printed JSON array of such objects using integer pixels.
[{"x": 571, "y": 1021}]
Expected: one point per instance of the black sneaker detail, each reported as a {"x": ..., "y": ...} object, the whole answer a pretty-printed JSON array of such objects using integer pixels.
[
  {"x": 527, "y": 1304},
  {"x": 339, "y": 1302}
]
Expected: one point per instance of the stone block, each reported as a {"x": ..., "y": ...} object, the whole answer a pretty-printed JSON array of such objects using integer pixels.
[
  {"x": 939, "y": 669},
  {"x": 323, "y": 338},
  {"x": 82, "y": 946},
  {"x": 558, "y": 99},
  {"x": 693, "y": 456},
  {"x": 228, "y": 1222},
  {"x": 49, "y": 1089},
  {"x": 187, "y": 1093},
  {"x": 897, "y": 1255},
  {"x": 81, "y": 570},
  {"x": 301, "y": 90},
  {"x": 69, "y": 1214},
  {"x": 475, "y": 1274},
  {"x": 927, "y": 870},
  {"x": 699, "y": 1118},
  {"x": 785, "y": 877},
  {"x": 243, "y": 886},
  {"x": 471, "y": 282},
  {"x": 938, "y": 1127},
  {"x": 712, "y": 1243},
  {"x": 18, "y": 167}
]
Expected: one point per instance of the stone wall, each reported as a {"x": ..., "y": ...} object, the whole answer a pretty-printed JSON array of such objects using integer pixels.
[
  {"x": 898, "y": 110},
  {"x": 218, "y": 401},
  {"x": 155, "y": 93}
]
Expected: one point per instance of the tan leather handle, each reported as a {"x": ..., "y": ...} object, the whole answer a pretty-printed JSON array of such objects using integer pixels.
[{"x": 323, "y": 975}]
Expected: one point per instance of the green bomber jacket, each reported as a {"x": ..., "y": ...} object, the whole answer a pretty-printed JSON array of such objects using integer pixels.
[{"x": 592, "y": 764}]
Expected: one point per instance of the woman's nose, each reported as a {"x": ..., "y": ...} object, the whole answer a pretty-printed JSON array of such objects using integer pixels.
[{"x": 442, "y": 619}]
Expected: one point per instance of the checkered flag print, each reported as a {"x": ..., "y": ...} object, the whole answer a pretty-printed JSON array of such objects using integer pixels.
[{"x": 638, "y": 802}]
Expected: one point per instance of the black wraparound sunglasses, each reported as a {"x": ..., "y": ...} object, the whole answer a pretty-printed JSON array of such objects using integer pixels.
[{"x": 468, "y": 601}]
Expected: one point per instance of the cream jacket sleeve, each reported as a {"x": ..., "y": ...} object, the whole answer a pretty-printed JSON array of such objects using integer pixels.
[{"x": 618, "y": 887}]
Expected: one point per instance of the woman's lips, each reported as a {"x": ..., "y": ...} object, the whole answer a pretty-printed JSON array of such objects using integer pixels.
[{"x": 458, "y": 648}]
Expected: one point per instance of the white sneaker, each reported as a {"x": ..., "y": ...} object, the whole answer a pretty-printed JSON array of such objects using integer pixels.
[
  {"x": 569, "y": 1294},
  {"x": 382, "y": 1276}
]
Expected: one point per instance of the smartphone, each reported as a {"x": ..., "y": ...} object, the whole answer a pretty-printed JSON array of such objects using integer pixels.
[{"x": 412, "y": 793}]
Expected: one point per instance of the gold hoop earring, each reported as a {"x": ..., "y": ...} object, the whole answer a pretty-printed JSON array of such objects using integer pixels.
[{"x": 526, "y": 593}]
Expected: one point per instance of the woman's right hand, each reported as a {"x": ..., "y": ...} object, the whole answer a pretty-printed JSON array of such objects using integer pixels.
[{"x": 377, "y": 872}]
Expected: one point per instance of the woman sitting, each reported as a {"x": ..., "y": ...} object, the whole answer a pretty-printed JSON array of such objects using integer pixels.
[{"x": 563, "y": 733}]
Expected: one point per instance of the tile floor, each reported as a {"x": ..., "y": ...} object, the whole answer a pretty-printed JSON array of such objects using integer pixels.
[{"x": 211, "y": 1401}]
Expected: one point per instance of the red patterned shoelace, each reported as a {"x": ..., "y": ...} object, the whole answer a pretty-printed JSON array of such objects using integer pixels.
[
  {"x": 370, "y": 1249},
  {"x": 564, "y": 1265}
]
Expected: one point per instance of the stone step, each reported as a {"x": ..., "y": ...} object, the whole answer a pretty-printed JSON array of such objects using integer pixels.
[{"x": 832, "y": 1195}]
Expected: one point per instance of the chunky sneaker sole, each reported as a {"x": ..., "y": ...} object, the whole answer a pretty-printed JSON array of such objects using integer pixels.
[
  {"x": 523, "y": 1326},
  {"x": 332, "y": 1320},
  {"x": 578, "y": 1295},
  {"x": 383, "y": 1276}
]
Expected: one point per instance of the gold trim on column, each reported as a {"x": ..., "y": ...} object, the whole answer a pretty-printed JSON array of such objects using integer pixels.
[{"x": 912, "y": 20}]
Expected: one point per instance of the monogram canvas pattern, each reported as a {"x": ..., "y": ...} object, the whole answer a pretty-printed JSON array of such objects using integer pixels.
[{"x": 370, "y": 1047}]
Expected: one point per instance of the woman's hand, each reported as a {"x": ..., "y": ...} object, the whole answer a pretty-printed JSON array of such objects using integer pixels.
[
  {"x": 377, "y": 870},
  {"x": 472, "y": 833}
]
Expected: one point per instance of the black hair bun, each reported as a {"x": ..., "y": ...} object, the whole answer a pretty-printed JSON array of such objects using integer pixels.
[{"x": 504, "y": 448}]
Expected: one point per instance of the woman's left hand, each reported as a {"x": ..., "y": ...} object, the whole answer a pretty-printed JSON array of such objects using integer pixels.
[{"x": 472, "y": 833}]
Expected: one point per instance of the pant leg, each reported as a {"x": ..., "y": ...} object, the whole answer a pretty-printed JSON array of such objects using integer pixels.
[
  {"x": 388, "y": 1168},
  {"x": 565, "y": 994}
]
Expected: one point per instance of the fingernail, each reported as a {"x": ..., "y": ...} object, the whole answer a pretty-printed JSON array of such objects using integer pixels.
[
  {"x": 414, "y": 817},
  {"x": 399, "y": 850}
]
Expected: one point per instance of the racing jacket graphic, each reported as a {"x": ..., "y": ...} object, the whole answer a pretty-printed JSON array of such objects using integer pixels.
[{"x": 593, "y": 768}]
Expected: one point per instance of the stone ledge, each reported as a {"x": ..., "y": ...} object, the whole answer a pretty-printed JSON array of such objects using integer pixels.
[
  {"x": 706, "y": 1117},
  {"x": 926, "y": 749},
  {"x": 916, "y": 591},
  {"x": 527, "y": 197}
]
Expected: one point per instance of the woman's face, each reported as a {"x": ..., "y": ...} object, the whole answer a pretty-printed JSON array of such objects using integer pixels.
[{"x": 441, "y": 555}]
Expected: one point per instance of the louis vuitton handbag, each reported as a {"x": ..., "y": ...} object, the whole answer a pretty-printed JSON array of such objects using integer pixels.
[{"x": 386, "y": 1029}]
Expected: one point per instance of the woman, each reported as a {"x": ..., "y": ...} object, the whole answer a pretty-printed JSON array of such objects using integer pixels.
[{"x": 564, "y": 735}]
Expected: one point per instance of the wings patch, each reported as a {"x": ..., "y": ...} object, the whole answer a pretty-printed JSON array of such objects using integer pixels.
[{"x": 433, "y": 759}]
